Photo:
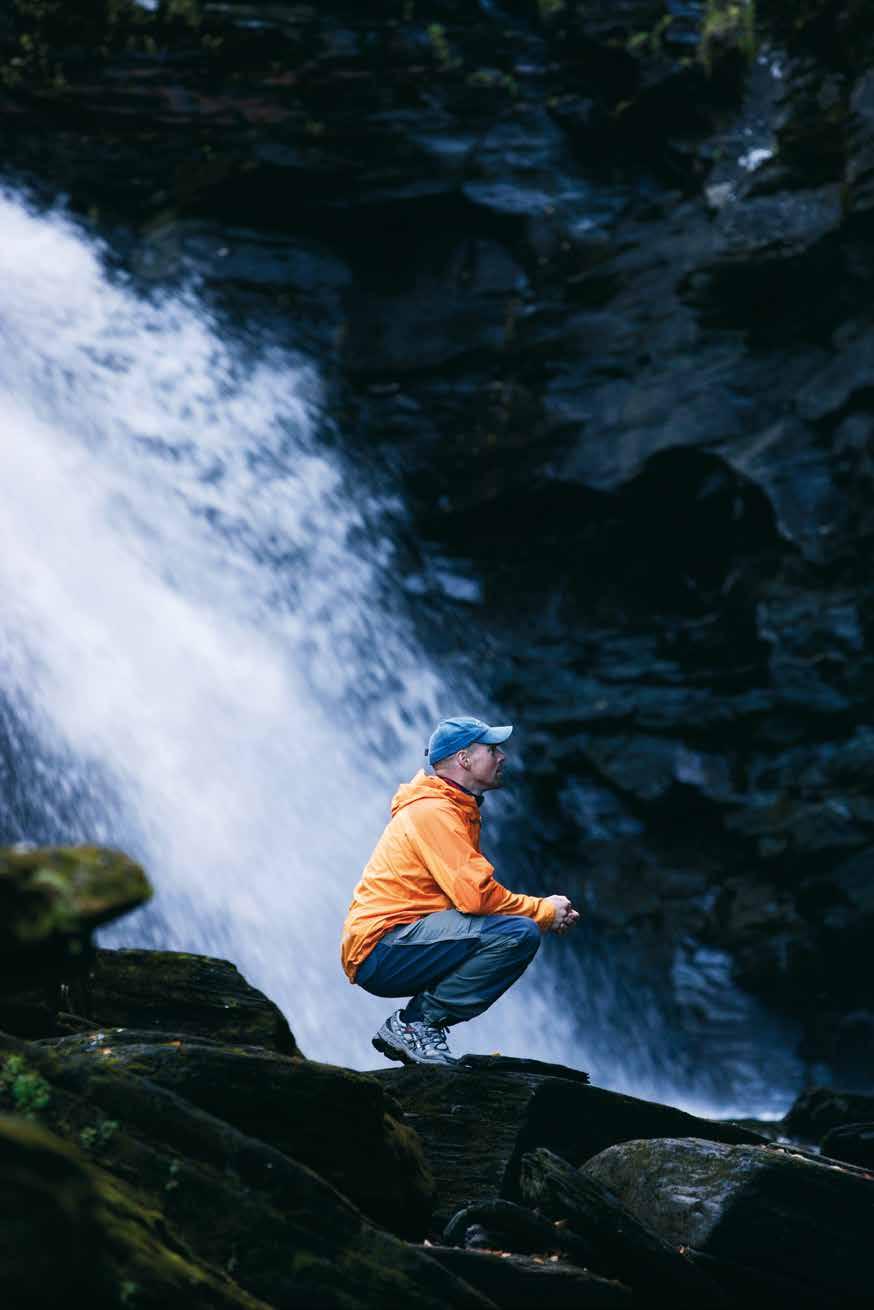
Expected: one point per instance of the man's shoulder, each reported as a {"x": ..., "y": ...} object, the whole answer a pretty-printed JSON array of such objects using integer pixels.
[{"x": 426, "y": 810}]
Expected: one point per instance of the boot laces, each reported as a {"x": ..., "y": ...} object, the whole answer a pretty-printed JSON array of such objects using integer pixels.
[{"x": 434, "y": 1037}]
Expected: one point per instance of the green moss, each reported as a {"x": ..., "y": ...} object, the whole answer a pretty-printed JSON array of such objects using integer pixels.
[
  {"x": 26, "y": 1091},
  {"x": 727, "y": 26},
  {"x": 442, "y": 51},
  {"x": 45, "y": 30},
  {"x": 94, "y": 1138},
  {"x": 649, "y": 42}
]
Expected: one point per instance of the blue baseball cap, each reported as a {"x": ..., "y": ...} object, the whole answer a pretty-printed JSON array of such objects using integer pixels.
[{"x": 453, "y": 735}]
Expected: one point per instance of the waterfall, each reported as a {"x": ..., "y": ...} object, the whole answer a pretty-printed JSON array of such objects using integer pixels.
[
  {"x": 206, "y": 661},
  {"x": 200, "y": 660}
]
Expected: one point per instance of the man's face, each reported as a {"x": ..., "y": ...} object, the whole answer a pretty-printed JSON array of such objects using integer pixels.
[{"x": 485, "y": 765}]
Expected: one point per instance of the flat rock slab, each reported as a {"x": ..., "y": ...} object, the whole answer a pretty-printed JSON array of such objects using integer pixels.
[
  {"x": 762, "y": 1207},
  {"x": 476, "y": 1122},
  {"x": 518, "y": 1282}
]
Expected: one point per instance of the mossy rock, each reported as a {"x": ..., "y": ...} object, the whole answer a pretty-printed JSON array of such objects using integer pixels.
[
  {"x": 52, "y": 899},
  {"x": 49, "y": 1207},
  {"x": 765, "y": 1208},
  {"x": 218, "y": 1200},
  {"x": 476, "y": 1120},
  {"x": 171, "y": 991},
  {"x": 340, "y": 1123}
]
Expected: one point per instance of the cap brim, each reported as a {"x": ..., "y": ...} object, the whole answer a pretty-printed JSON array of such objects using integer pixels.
[{"x": 495, "y": 736}]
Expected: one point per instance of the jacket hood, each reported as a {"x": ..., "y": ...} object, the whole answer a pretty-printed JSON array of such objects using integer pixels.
[{"x": 427, "y": 786}]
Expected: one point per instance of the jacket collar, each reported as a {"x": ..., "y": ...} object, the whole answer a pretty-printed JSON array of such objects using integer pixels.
[{"x": 452, "y": 783}]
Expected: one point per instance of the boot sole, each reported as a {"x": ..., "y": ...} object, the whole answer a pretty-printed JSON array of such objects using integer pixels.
[{"x": 404, "y": 1056}]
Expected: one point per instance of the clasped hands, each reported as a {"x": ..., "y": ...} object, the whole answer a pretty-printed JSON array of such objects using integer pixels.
[{"x": 565, "y": 914}]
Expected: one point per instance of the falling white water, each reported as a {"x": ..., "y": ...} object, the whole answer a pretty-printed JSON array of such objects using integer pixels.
[
  {"x": 202, "y": 663},
  {"x": 196, "y": 635}
]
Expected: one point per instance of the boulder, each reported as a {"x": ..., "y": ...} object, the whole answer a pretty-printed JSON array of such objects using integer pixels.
[
  {"x": 853, "y": 1143},
  {"x": 476, "y": 1122},
  {"x": 341, "y": 1124},
  {"x": 175, "y": 991},
  {"x": 766, "y": 1208},
  {"x": 626, "y": 1247},
  {"x": 818, "y": 1110},
  {"x": 107, "y": 1249},
  {"x": 52, "y": 899},
  {"x": 223, "y": 1200},
  {"x": 169, "y": 992}
]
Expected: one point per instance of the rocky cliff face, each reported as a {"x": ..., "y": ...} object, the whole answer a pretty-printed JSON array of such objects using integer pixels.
[{"x": 590, "y": 285}]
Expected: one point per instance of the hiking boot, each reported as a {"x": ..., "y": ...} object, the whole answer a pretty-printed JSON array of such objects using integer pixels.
[{"x": 413, "y": 1042}]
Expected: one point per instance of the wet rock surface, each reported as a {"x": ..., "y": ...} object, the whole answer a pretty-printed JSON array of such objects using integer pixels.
[
  {"x": 165, "y": 1169},
  {"x": 590, "y": 287},
  {"x": 817, "y": 1111},
  {"x": 159, "y": 991},
  {"x": 477, "y": 1129},
  {"x": 764, "y": 1207},
  {"x": 338, "y": 1123}
]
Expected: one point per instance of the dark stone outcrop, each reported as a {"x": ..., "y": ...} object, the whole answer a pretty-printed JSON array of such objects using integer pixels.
[
  {"x": 162, "y": 991},
  {"x": 233, "y": 1202},
  {"x": 475, "y": 1128},
  {"x": 168, "y": 1169},
  {"x": 341, "y": 1124},
  {"x": 853, "y": 1143},
  {"x": 770, "y": 1208},
  {"x": 817, "y": 1111},
  {"x": 627, "y": 1247}
]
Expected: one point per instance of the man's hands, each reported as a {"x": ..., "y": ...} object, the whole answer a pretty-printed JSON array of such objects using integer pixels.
[{"x": 565, "y": 914}]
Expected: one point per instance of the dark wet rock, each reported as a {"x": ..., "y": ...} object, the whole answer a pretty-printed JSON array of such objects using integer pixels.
[
  {"x": 743, "y": 1285},
  {"x": 517, "y": 1282},
  {"x": 476, "y": 1124},
  {"x": 853, "y": 1143},
  {"x": 170, "y": 990},
  {"x": 815, "y": 1112},
  {"x": 763, "y": 1207},
  {"x": 53, "y": 898},
  {"x": 627, "y": 1246},
  {"x": 341, "y": 1124},
  {"x": 231, "y": 1202},
  {"x": 505, "y": 1226},
  {"x": 158, "y": 991},
  {"x": 107, "y": 1248},
  {"x": 49, "y": 1203}
]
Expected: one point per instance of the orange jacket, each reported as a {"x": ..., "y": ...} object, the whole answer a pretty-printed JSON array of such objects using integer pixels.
[{"x": 427, "y": 859}]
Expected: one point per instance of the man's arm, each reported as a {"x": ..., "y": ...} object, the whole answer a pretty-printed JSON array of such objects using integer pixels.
[{"x": 441, "y": 840}]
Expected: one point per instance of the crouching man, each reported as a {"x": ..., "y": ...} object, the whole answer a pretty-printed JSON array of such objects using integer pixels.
[{"x": 428, "y": 919}]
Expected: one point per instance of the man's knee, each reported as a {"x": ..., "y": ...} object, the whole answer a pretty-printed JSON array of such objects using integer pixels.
[{"x": 515, "y": 932}]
